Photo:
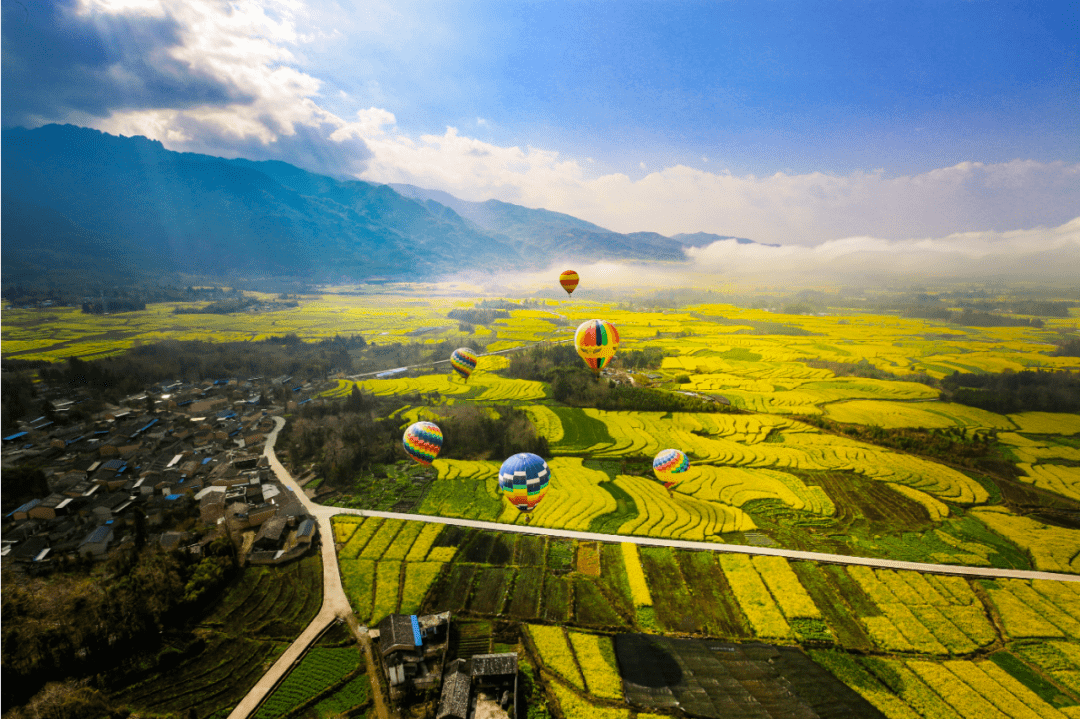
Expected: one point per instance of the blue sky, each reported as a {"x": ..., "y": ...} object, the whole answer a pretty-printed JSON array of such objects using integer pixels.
[
  {"x": 760, "y": 87},
  {"x": 790, "y": 122}
]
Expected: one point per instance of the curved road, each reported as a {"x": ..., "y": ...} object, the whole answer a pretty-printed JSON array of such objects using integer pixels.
[{"x": 336, "y": 603}]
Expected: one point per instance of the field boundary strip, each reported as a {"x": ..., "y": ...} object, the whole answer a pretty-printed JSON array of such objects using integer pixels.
[{"x": 954, "y": 569}]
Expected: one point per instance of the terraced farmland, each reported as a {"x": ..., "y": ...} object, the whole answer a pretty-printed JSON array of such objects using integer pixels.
[{"x": 251, "y": 625}]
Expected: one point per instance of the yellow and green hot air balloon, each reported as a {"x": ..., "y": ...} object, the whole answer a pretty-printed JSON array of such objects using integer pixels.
[{"x": 596, "y": 342}]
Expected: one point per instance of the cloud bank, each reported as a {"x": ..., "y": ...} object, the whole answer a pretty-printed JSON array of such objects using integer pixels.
[
  {"x": 1044, "y": 256},
  {"x": 229, "y": 79}
]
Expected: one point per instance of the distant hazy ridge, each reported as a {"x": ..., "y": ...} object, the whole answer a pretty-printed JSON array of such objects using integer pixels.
[{"x": 81, "y": 201}]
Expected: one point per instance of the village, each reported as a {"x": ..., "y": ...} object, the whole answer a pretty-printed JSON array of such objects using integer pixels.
[{"x": 179, "y": 465}]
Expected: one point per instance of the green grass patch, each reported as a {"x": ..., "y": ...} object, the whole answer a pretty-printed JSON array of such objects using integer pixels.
[
  {"x": 453, "y": 591},
  {"x": 613, "y": 578},
  {"x": 560, "y": 555},
  {"x": 489, "y": 589},
  {"x": 676, "y": 609},
  {"x": 556, "y": 604},
  {"x": 580, "y": 431},
  {"x": 530, "y": 551},
  {"x": 821, "y": 587},
  {"x": 462, "y": 497},
  {"x": 740, "y": 354},
  {"x": 625, "y": 510},
  {"x": 645, "y": 618},
  {"x": 525, "y": 598},
  {"x": 811, "y": 630},
  {"x": 1031, "y": 679},
  {"x": 591, "y": 607},
  {"x": 710, "y": 590}
]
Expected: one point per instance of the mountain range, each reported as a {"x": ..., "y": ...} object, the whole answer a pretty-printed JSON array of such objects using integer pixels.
[{"x": 79, "y": 203}]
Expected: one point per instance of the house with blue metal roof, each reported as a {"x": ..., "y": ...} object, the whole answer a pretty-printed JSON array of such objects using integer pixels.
[
  {"x": 97, "y": 542},
  {"x": 23, "y": 512},
  {"x": 413, "y": 648}
]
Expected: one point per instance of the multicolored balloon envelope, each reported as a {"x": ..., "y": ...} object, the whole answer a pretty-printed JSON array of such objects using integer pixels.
[
  {"x": 569, "y": 281},
  {"x": 463, "y": 360},
  {"x": 668, "y": 464},
  {"x": 524, "y": 478},
  {"x": 422, "y": 441},
  {"x": 596, "y": 342}
]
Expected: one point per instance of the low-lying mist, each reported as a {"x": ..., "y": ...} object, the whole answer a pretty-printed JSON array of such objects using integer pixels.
[{"x": 1040, "y": 258}]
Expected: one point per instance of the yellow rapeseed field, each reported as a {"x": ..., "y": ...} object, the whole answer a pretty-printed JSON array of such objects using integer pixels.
[
  {"x": 1047, "y": 422},
  {"x": 1054, "y": 549},
  {"x": 754, "y": 598},
  {"x": 937, "y": 510},
  {"x": 678, "y": 517},
  {"x": 928, "y": 415},
  {"x": 738, "y": 485},
  {"x": 1062, "y": 479},
  {"x": 573, "y": 498}
]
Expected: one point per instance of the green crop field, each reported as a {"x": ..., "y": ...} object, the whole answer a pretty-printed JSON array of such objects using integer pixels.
[{"x": 320, "y": 671}]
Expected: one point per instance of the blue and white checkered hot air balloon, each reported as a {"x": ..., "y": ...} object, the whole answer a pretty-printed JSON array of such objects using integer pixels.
[{"x": 524, "y": 478}]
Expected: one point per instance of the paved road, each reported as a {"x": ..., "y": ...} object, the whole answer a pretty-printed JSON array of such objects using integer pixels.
[
  {"x": 985, "y": 572},
  {"x": 336, "y": 603}
]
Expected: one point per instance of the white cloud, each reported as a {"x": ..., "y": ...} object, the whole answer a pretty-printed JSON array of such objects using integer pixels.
[
  {"x": 1047, "y": 256},
  {"x": 782, "y": 208},
  {"x": 254, "y": 47},
  {"x": 244, "y": 43}
]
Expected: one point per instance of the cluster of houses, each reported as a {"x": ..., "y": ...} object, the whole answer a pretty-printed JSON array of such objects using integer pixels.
[
  {"x": 180, "y": 464},
  {"x": 413, "y": 653}
]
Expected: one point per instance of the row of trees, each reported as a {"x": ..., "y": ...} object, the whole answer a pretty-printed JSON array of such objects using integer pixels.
[
  {"x": 1010, "y": 392},
  {"x": 968, "y": 317},
  {"x": 349, "y": 437}
]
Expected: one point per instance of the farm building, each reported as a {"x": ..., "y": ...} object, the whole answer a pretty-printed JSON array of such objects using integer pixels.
[
  {"x": 456, "y": 692},
  {"x": 485, "y": 685},
  {"x": 413, "y": 649},
  {"x": 97, "y": 542}
]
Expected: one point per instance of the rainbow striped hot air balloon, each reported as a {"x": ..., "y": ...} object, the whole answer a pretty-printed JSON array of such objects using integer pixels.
[
  {"x": 569, "y": 281},
  {"x": 422, "y": 442},
  {"x": 463, "y": 360},
  {"x": 596, "y": 342},
  {"x": 523, "y": 479},
  {"x": 668, "y": 464}
]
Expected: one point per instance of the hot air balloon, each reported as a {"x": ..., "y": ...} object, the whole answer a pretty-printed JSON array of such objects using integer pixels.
[
  {"x": 463, "y": 360},
  {"x": 668, "y": 464},
  {"x": 523, "y": 479},
  {"x": 422, "y": 442},
  {"x": 596, "y": 341},
  {"x": 569, "y": 281}
]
